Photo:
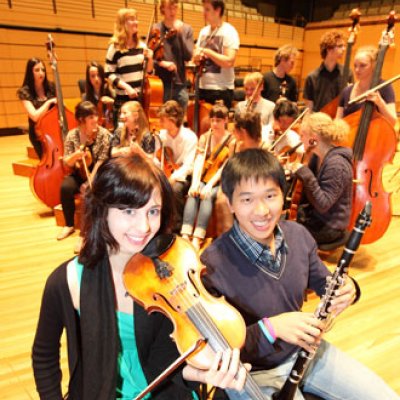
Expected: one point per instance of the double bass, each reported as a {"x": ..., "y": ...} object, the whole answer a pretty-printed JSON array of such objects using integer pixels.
[
  {"x": 332, "y": 106},
  {"x": 374, "y": 146},
  {"x": 52, "y": 129}
]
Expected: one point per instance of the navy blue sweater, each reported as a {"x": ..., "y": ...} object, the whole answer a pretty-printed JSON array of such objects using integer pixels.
[{"x": 256, "y": 294}]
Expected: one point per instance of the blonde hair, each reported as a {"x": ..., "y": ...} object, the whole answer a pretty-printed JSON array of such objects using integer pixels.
[
  {"x": 252, "y": 77},
  {"x": 370, "y": 51},
  {"x": 284, "y": 53},
  {"x": 142, "y": 124},
  {"x": 322, "y": 125},
  {"x": 120, "y": 36}
]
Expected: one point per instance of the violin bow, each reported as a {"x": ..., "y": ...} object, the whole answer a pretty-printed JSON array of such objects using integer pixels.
[{"x": 305, "y": 111}]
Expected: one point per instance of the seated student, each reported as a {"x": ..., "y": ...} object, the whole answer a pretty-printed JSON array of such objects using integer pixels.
[
  {"x": 134, "y": 134},
  {"x": 262, "y": 266},
  {"x": 327, "y": 180},
  {"x": 247, "y": 131},
  {"x": 97, "y": 90},
  {"x": 178, "y": 150},
  {"x": 87, "y": 138},
  {"x": 211, "y": 155},
  {"x": 115, "y": 347},
  {"x": 253, "y": 85}
]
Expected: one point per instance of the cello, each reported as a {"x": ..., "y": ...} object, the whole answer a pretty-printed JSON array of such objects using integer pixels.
[
  {"x": 372, "y": 152},
  {"x": 52, "y": 129},
  {"x": 332, "y": 106}
]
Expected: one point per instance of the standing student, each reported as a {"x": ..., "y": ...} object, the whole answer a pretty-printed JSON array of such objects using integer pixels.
[
  {"x": 384, "y": 98},
  {"x": 125, "y": 59},
  {"x": 212, "y": 153},
  {"x": 253, "y": 85},
  {"x": 87, "y": 141},
  {"x": 327, "y": 180},
  {"x": 177, "y": 42},
  {"x": 115, "y": 348},
  {"x": 278, "y": 83},
  {"x": 37, "y": 95},
  {"x": 262, "y": 266},
  {"x": 178, "y": 149},
  {"x": 215, "y": 53},
  {"x": 324, "y": 83}
]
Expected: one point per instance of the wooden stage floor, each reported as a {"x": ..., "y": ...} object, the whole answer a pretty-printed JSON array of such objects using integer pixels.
[{"x": 368, "y": 331}]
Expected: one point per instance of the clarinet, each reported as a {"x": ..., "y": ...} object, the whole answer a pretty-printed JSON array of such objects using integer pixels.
[{"x": 304, "y": 357}]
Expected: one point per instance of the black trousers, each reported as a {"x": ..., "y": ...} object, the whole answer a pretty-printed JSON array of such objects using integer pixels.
[
  {"x": 211, "y": 96},
  {"x": 69, "y": 188}
]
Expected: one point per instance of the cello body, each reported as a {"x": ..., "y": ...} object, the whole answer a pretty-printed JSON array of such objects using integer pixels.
[
  {"x": 380, "y": 148},
  {"x": 152, "y": 99},
  {"x": 45, "y": 183}
]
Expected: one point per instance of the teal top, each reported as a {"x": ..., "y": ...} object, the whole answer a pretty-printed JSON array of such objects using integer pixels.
[{"x": 131, "y": 379}]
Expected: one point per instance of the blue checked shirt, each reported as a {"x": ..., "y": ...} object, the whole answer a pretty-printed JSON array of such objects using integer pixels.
[{"x": 260, "y": 255}]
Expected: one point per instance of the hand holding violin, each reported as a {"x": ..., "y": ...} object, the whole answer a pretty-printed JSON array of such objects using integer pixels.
[{"x": 225, "y": 371}]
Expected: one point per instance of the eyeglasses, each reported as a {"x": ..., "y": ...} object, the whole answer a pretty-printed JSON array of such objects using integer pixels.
[{"x": 340, "y": 46}]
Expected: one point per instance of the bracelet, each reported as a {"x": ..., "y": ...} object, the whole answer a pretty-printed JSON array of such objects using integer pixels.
[
  {"x": 269, "y": 326},
  {"x": 266, "y": 332}
]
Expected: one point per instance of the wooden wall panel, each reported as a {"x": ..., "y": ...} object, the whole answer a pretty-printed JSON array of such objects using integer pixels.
[{"x": 81, "y": 38}]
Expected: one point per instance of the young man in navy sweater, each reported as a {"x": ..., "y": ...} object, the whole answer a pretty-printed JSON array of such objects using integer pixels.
[{"x": 262, "y": 266}]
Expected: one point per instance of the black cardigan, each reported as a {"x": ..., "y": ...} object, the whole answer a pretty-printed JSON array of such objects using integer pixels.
[{"x": 155, "y": 348}]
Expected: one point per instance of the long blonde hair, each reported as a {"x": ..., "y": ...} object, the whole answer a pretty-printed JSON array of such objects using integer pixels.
[
  {"x": 328, "y": 130},
  {"x": 142, "y": 124},
  {"x": 120, "y": 36}
]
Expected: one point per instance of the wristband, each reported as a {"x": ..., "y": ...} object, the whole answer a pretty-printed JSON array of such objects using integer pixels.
[
  {"x": 266, "y": 332},
  {"x": 269, "y": 326}
]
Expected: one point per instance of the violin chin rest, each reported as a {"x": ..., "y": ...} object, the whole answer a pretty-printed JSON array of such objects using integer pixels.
[{"x": 159, "y": 245}]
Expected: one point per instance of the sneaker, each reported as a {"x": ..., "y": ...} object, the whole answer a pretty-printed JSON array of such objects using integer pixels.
[{"x": 65, "y": 232}]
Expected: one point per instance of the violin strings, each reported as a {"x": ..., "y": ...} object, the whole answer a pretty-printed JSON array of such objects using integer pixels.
[{"x": 208, "y": 328}]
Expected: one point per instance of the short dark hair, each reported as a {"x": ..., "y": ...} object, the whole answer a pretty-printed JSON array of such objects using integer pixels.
[
  {"x": 285, "y": 108},
  {"x": 218, "y": 111},
  {"x": 121, "y": 182},
  {"x": 250, "y": 121},
  {"x": 254, "y": 164},
  {"x": 84, "y": 109},
  {"x": 216, "y": 4}
]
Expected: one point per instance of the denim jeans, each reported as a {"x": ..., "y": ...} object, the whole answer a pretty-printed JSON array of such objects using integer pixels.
[
  {"x": 178, "y": 93},
  {"x": 332, "y": 375},
  {"x": 204, "y": 208}
]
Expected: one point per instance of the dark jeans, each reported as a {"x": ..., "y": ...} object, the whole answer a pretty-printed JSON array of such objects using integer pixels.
[
  {"x": 180, "y": 191},
  {"x": 211, "y": 96},
  {"x": 69, "y": 188}
]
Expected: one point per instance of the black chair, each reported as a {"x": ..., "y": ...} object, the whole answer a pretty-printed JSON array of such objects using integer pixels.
[
  {"x": 82, "y": 86},
  {"x": 328, "y": 247}
]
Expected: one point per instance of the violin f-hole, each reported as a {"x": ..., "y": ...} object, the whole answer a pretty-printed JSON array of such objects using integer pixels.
[{"x": 374, "y": 194}]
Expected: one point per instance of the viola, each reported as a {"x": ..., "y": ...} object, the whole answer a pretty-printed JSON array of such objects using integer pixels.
[
  {"x": 166, "y": 156},
  {"x": 156, "y": 42},
  {"x": 52, "y": 129},
  {"x": 82, "y": 166},
  {"x": 216, "y": 160},
  {"x": 166, "y": 278},
  {"x": 374, "y": 146},
  {"x": 332, "y": 106}
]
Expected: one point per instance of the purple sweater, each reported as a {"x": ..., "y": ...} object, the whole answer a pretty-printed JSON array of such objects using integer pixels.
[
  {"x": 256, "y": 294},
  {"x": 329, "y": 189}
]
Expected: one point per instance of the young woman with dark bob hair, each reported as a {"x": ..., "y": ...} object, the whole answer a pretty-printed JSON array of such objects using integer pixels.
[{"x": 115, "y": 348}]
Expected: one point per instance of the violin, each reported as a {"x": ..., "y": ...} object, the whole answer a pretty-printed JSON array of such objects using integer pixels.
[
  {"x": 166, "y": 157},
  {"x": 156, "y": 42},
  {"x": 82, "y": 166},
  {"x": 105, "y": 112},
  {"x": 166, "y": 278}
]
